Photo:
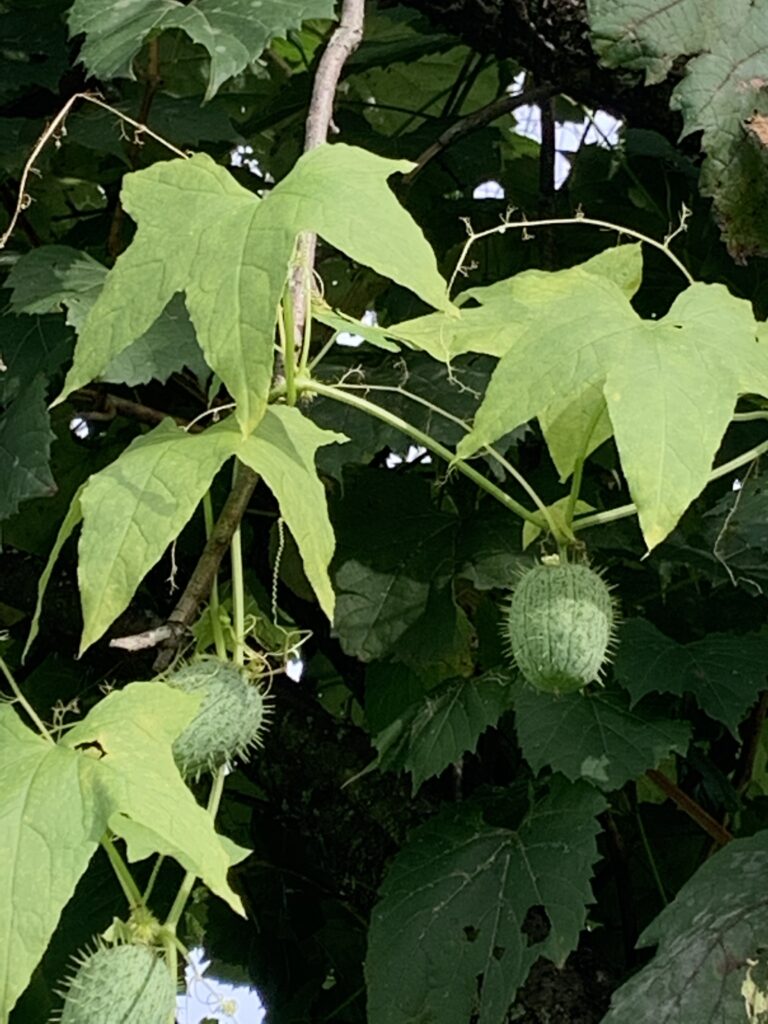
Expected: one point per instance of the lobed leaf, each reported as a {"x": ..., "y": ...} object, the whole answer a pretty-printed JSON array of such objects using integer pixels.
[
  {"x": 710, "y": 939},
  {"x": 442, "y": 726},
  {"x": 721, "y": 50},
  {"x": 446, "y": 940},
  {"x": 670, "y": 386},
  {"x": 724, "y": 672},
  {"x": 201, "y": 233},
  {"x": 232, "y": 31},
  {"x": 597, "y": 737}
]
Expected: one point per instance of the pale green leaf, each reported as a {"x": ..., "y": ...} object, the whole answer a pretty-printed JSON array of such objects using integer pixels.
[
  {"x": 670, "y": 385},
  {"x": 138, "y": 788},
  {"x": 672, "y": 394},
  {"x": 69, "y": 523},
  {"x": 565, "y": 351},
  {"x": 282, "y": 451},
  {"x": 47, "y": 837},
  {"x": 596, "y": 736},
  {"x": 707, "y": 939},
  {"x": 380, "y": 337},
  {"x": 446, "y": 941},
  {"x": 443, "y": 725},
  {"x": 575, "y": 427},
  {"x": 201, "y": 233},
  {"x": 724, "y": 672},
  {"x": 135, "y": 508},
  {"x": 557, "y": 512},
  {"x": 718, "y": 51},
  {"x": 234, "y": 32},
  {"x": 507, "y": 308}
]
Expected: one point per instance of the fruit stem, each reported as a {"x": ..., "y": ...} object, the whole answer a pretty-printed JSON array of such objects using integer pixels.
[
  {"x": 124, "y": 876},
  {"x": 357, "y": 402},
  {"x": 214, "y": 607}
]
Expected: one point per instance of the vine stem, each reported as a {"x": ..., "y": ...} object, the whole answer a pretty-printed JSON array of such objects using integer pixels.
[
  {"x": 508, "y": 225},
  {"x": 329, "y": 391},
  {"x": 238, "y": 586},
  {"x": 22, "y": 700},
  {"x": 214, "y": 608},
  {"x": 622, "y": 511},
  {"x": 504, "y": 463}
]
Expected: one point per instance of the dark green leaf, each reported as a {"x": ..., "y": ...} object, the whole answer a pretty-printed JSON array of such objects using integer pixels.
[
  {"x": 392, "y": 548},
  {"x": 25, "y": 449},
  {"x": 724, "y": 672},
  {"x": 595, "y": 736},
  {"x": 707, "y": 940},
  {"x": 227, "y": 29},
  {"x": 446, "y": 939},
  {"x": 446, "y": 723}
]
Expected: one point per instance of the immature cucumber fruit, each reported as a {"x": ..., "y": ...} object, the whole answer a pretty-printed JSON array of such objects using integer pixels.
[
  {"x": 120, "y": 985},
  {"x": 559, "y": 624},
  {"x": 229, "y": 721}
]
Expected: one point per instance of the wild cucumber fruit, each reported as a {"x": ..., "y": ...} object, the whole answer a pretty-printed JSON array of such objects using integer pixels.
[
  {"x": 559, "y": 625},
  {"x": 120, "y": 985},
  {"x": 229, "y": 721}
]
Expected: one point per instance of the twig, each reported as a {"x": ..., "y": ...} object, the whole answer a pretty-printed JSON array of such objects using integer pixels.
[
  {"x": 345, "y": 40},
  {"x": 690, "y": 807},
  {"x": 113, "y": 405},
  {"x": 201, "y": 580},
  {"x": 479, "y": 119}
]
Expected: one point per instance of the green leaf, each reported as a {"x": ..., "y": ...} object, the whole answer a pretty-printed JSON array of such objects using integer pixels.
[
  {"x": 25, "y": 449},
  {"x": 671, "y": 385},
  {"x": 453, "y": 903},
  {"x": 282, "y": 451},
  {"x": 113, "y": 770},
  {"x": 393, "y": 549},
  {"x": 135, "y": 508},
  {"x": 509, "y": 307},
  {"x": 725, "y": 672},
  {"x": 31, "y": 345},
  {"x": 439, "y": 728},
  {"x": 557, "y": 511},
  {"x": 595, "y": 736},
  {"x": 47, "y": 839},
  {"x": 53, "y": 276},
  {"x": 232, "y": 33},
  {"x": 229, "y": 252},
  {"x": 72, "y": 519},
  {"x": 137, "y": 786},
  {"x": 707, "y": 938},
  {"x": 719, "y": 53}
]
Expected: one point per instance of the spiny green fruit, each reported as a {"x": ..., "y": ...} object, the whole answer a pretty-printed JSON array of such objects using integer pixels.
[
  {"x": 120, "y": 985},
  {"x": 229, "y": 721},
  {"x": 559, "y": 624}
]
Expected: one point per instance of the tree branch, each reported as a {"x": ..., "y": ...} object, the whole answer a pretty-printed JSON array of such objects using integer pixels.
[
  {"x": 345, "y": 40},
  {"x": 689, "y": 806},
  {"x": 479, "y": 119}
]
